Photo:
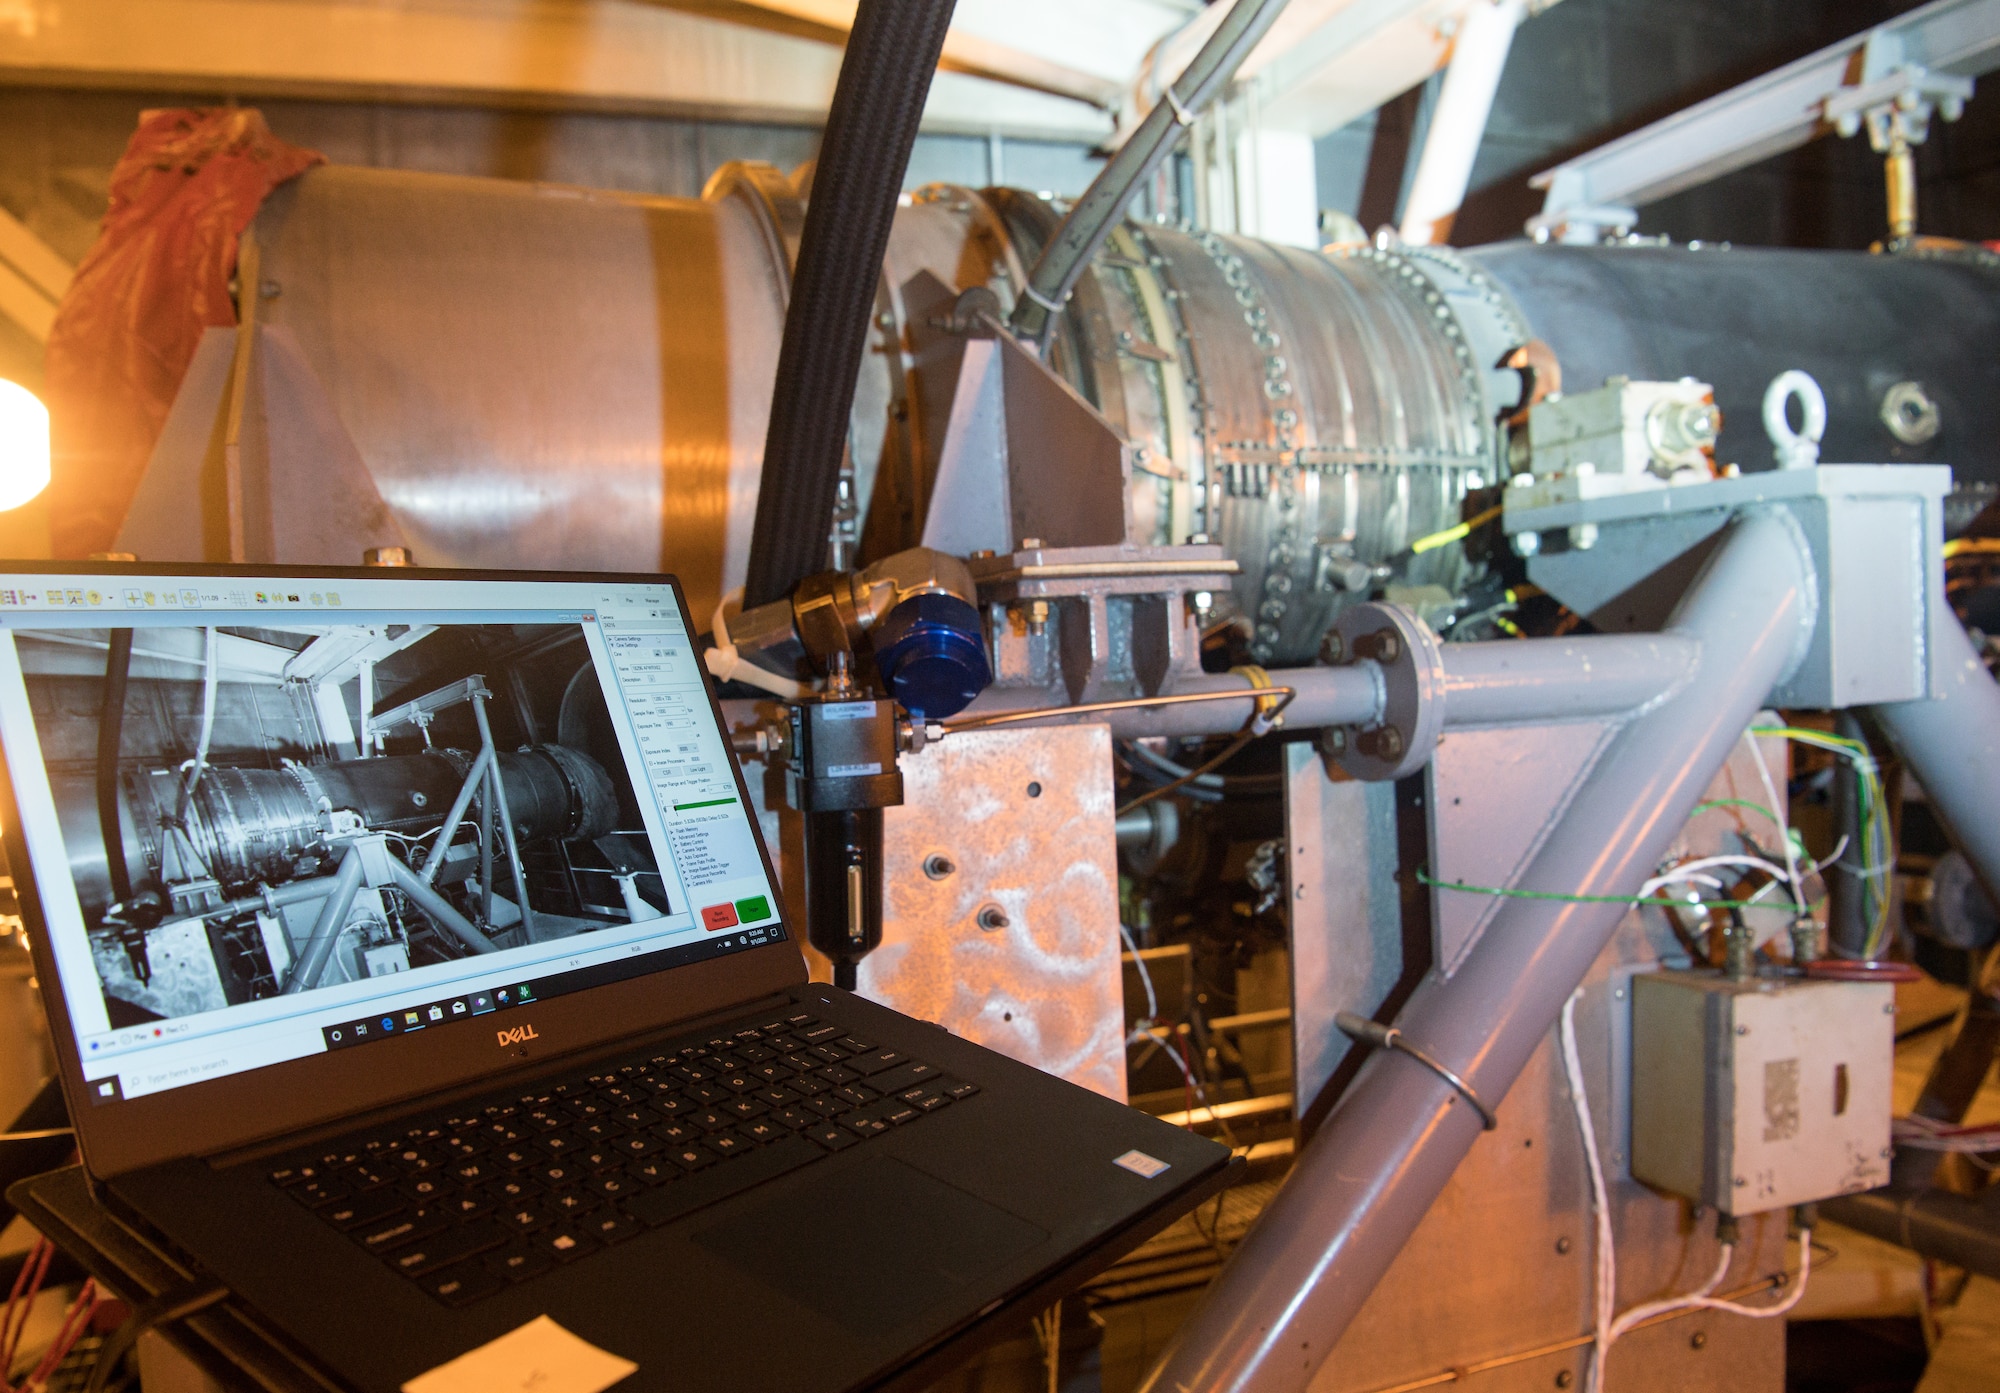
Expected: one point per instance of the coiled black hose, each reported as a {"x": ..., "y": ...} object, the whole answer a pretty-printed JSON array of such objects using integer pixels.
[{"x": 892, "y": 53}]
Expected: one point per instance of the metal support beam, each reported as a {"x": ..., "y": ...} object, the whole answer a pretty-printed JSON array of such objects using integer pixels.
[
  {"x": 1392, "y": 1142},
  {"x": 1780, "y": 111},
  {"x": 584, "y": 55},
  {"x": 1478, "y": 57},
  {"x": 1952, "y": 744}
]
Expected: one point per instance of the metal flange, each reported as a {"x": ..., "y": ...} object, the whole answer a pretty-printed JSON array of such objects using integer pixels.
[{"x": 1410, "y": 667}]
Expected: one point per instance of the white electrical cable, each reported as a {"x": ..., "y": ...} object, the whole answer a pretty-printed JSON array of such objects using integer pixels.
[
  {"x": 209, "y": 678},
  {"x": 1604, "y": 1290},
  {"x": 1606, "y": 1331},
  {"x": 1145, "y": 977},
  {"x": 729, "y": 666},
  {"x": 1778, "y": 810}
]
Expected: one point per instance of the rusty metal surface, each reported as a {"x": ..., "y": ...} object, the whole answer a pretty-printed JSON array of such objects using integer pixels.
[{"x": 1024, "y": 817}]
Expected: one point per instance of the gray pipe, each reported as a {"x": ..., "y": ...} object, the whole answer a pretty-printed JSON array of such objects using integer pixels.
[
  {"x": 1093, "y": 216},
  {"x": 1557, "y": 679},
  {"x": 1507, "y": 681},
  {"x": 311, "y": 963},
  {"x": 1392, "y": 1142},
  {"x": 439, "y": 908},
  {"x": 1952, "y": 745}
]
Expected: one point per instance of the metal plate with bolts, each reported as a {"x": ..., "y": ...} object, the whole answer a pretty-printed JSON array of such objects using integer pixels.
[{"x": 1000, "y": 899}]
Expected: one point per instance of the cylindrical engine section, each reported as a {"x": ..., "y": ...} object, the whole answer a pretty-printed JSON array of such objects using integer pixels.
[
  {"x": 1315, "y": 415},
  {"x": 1906, "y": 348},
  {"x": 250, "y": 825},
  {"x": 538, "y": 376}
]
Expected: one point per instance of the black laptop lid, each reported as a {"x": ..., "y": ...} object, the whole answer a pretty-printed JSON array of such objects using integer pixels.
[{"x": 377, "y": 833}]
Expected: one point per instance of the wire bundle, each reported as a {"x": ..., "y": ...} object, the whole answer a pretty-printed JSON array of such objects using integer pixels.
[
  {"x": 1877, "y": 844},
  {"x": 1608, "y": 1328},
  {"x": 76, "y": 1321}
]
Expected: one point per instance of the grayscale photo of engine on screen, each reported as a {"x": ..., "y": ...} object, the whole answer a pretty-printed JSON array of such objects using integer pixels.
[{"x": 253, "y": 812}]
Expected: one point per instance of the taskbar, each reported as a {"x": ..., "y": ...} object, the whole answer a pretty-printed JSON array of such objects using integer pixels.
[{"x": 408, "y": 1020}]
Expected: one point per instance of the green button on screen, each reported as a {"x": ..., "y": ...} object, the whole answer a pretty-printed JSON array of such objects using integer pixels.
[{"x": 753, "y": 909}]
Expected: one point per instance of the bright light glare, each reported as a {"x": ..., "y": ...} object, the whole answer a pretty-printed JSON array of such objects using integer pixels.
[{"x": 24, "y": 445}]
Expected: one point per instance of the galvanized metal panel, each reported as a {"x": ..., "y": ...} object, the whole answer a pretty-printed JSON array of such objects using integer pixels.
[
  {"x": 1493, "y": 795},
  {"x": 1347, "y": 946},
  {"x": 1024, "y": 818}
]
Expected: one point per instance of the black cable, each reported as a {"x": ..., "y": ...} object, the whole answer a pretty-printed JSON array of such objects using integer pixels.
[
  {"x": 164, "y": 1309},
  {"x": 892, "y": 54},
  {"x": 110, "y": 735}
]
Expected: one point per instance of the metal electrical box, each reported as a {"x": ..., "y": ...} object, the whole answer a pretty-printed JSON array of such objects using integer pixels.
[{"x": 1756, "y": 1095}]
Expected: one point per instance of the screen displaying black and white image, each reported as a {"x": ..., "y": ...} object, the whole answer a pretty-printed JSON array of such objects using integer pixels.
[{"x": 252, "y": 812}]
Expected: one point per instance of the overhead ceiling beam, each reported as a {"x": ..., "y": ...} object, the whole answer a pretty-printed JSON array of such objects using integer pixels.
[
  {"x": 1766, "y": 116},
  {"x": 1327, "y": 62},
  {"x": 964, "y": 51},
  {"x": 581, "y": 55}
]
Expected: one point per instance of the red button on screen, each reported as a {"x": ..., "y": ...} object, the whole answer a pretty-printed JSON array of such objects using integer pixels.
[{"x": 719, "y": 916}]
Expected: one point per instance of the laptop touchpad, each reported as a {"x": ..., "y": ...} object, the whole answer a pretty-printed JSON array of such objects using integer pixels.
[{"x": 872, "y": 1245}]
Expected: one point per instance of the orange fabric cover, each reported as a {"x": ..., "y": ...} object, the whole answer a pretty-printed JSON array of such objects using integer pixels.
[{"x": 186, "y": 187}]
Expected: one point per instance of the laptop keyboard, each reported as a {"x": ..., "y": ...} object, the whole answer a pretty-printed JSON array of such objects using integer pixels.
[{"x": 504, "y": 1191}]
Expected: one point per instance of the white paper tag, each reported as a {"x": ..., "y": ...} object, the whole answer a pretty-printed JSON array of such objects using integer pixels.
[
  {"x": 1142, "y": 1165},
  {"x": 540, "y": 1357}
]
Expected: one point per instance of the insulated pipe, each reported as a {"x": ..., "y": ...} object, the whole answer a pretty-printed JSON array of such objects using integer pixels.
[
  {"x": 1952, "y": 745},
  {"x": 326, "y": 928},
  {"x": 439, "y": 908},
  {"x": 1365, "y": 1180},
  {"x": 1082, "y": 234},
  {"x": 1478, "y": 57},
  {"x": 892, "y": 53}
]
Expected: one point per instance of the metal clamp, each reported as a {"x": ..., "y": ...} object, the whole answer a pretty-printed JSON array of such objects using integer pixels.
[{"x": 1389, "y": 1038}]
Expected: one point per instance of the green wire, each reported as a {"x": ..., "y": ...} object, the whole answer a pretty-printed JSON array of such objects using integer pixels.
[
  {"x": 1426, "y": 878},
  {"x": 1735, "y": 803},
  {"x": 1875, "y": 845}
]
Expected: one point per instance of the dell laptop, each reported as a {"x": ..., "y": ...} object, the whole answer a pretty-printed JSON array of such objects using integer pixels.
[{"x": 418, "y": 971}]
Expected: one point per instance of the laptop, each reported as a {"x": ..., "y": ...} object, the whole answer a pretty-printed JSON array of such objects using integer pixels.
[{"x": 417, "y": 970}]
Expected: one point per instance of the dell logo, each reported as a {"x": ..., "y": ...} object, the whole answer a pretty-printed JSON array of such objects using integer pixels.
[{"x": 517, "y": 1035}]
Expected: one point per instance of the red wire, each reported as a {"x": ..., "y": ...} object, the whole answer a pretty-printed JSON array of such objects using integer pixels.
[
  {"x": 27, "y": 1285},
  {"x": 75, "y": 1321}
]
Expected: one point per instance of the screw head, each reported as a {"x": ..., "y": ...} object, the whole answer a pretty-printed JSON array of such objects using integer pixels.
[
  {"x": 1563, "y": 1246},
  {"x": 1333, "y": 741},
  {"x": 992, "y": 918},
  {"x": 1332, "y": 649},
  {"x": 937, "y": 866},
  {"x": 1564, "y": 1378},
  {"x": 1698, "y": 1340}
]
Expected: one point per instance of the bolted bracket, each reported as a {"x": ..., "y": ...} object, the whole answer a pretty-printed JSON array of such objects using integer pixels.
[{"x": 1410, "y": 668}]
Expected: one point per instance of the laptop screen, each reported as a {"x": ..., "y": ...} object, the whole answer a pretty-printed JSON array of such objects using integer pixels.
[{"x": 273, "y": 819}]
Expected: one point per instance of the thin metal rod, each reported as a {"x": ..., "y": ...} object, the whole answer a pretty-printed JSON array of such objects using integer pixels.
[
  {"x": 311, "y": 963},
  {"x": 440, "y": 909},
  {"x": 1505, "y": 682},
  {"x": 499, "y": 787},
  {"x": 1053, "y": 713},
  {"x": 435, "y": 862},
  {"x": 1370, "y": 1173},
  {"x": 486, "y": 854}
]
